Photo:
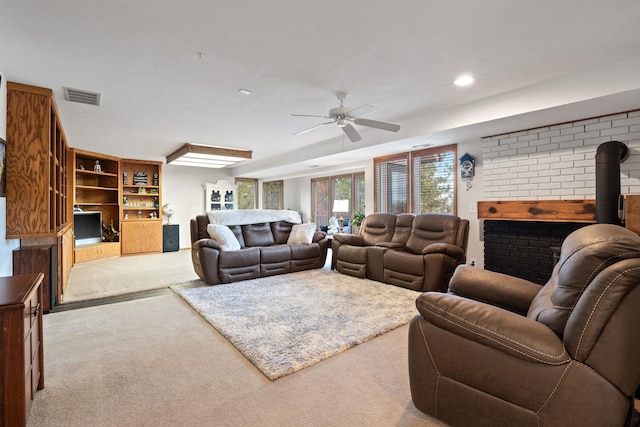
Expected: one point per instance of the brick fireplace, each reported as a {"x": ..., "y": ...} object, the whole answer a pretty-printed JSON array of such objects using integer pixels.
[{"x": 520, "y": 237}]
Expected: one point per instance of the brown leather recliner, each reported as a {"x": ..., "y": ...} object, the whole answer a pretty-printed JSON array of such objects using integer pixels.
[{"x": 501, "y": 351}]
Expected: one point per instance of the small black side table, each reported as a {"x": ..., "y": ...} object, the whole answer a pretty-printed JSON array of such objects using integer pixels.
[{"x": 170, "y": 237}]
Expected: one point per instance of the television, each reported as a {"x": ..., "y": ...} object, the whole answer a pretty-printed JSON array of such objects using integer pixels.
[{"x": 87, "y": 227}]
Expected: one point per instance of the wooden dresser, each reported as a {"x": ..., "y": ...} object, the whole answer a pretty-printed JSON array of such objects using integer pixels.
[{"x": 21, "y": 352}]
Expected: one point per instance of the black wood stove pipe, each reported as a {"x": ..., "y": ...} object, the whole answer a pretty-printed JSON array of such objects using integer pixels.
[{"x": 609, "y": 155}]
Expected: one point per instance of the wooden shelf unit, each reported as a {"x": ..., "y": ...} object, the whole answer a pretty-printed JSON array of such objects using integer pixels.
[
  {"x": 97, "y": 190},
  {"x": 39, "y": 208},
  {"x": 141, "y": 209},
  {"x": 36, "y": 164}
]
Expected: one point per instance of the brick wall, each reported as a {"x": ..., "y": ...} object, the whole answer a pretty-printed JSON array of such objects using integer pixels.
[
  {"x": 552, "y": 162},
  {"x": 558, "y": 161}
]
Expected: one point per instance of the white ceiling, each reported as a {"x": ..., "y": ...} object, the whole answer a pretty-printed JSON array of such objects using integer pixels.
[{"x": 169, "y": 72}]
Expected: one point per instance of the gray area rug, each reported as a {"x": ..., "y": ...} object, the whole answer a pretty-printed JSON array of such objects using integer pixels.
[{"x": 286, "y": 323}]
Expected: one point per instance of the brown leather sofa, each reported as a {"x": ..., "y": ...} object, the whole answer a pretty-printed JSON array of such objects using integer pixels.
[
  {"x": 263, "y": 252},
  {"x": 502, "y": 351},
  {"x": 418, "y": 252}
]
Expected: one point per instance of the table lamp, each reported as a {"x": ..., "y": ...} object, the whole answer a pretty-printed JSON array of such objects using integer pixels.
[{"x": 341, "y": 206}]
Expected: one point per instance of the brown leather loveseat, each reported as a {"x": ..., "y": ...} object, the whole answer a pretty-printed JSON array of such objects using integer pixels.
[
  {"x": 501, "y": 351},
  {"x": 264, "y": 246},
  {"x": 415, "y": 251}
]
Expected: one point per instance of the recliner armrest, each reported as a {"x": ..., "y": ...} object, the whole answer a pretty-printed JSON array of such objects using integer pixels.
[
  {"x": 501, "y": 290},
  {"x": 493, "y": 327},
  {"x": 390, "y": 245},
  {"x": 444, "y": 248},
  {"x": 317, "y": 236},
  {"x": 349, "y": 239},
  {"x": 206, "y": 243}
]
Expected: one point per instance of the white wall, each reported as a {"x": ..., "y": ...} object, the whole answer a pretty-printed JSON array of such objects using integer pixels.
[
  {"x": 182, "y": 188},
  {"x": 6, "y": 246},
  {"x": 468, "y": 201}
]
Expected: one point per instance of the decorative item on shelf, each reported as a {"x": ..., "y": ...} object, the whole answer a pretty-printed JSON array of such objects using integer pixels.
[
  {"x": 125, "y": 177},
  {"x": 142, "y": 190},
  {"x": 110, "y": 234},
  {"x": 156, "y": 203},
  {"x": 97, "y": 167},
  {"x": 139, "y": 214},
  {"x": 125, "y": 202},
  {"x": 153, "y": 191},
  {"x": 168, "y": 210},
  {"x": 156, "y": 179},
  {"x": 126, "y": 216},
  {"x": 81, "y": 167},
  {"x": 140, "y": 178},
  {"x": 153, "y": 215}
]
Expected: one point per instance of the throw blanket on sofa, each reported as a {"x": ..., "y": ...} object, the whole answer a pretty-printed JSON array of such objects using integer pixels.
[{"x": 253, "y": 216}]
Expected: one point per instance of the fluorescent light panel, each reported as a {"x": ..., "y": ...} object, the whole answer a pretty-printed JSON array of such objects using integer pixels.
[{"x": 207, "y": 156}]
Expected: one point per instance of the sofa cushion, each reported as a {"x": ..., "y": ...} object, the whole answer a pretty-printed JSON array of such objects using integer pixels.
[
  {"x": 223, "y": 235},
  {"x": 302, "y": 234},
  {"x": 258, "y": 235}
]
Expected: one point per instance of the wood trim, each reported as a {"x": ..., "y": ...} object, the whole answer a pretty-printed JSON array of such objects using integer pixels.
[{"x": 539, "y": 210}]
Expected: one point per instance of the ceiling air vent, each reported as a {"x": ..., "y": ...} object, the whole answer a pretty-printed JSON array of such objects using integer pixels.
[{"x": 81, "y": 96}]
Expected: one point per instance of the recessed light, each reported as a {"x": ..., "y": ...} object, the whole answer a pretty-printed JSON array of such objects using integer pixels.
[
  {"x": 244, "y": 91},
  {"x": 463, "y": 80}
]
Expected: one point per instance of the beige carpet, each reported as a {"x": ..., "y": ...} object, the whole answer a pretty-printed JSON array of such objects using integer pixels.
[
  {"x": 127, "y": 274},
  {"x": 156, "y": 362}
]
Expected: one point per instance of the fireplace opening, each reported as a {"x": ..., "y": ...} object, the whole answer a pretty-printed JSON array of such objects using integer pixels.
[{"x": 524, "y": 249}]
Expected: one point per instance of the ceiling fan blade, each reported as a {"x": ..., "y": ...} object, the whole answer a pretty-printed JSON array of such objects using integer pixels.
[
  {"x": 352, "y": 133},
  {"x": 312, "y": 128},
  {"x": 393, "y": 127},
  {"x": 310, "y": 115},
  {"x": 362, "y": 110}
]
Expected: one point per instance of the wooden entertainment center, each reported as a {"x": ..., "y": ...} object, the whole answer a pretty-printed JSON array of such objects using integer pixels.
[{"x": 46, "y": 180}]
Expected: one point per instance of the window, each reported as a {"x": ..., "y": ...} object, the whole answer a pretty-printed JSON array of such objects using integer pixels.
[
  {"x": 326, "y": 190},
  {"x": 392, "y": 184},
  {"x": 419, "y": 182},
  {"x": 272, "y": 195},
  {"x": 433, "y": 182},
  {"x": 247, "y": 193},
  {"x": 320, "y": 201}
]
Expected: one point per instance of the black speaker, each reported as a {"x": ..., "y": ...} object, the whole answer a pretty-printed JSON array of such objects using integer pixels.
[{"x": 170, "y": 237}]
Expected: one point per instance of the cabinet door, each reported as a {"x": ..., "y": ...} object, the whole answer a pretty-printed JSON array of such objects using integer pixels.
[{"x": 141, "y": 237}]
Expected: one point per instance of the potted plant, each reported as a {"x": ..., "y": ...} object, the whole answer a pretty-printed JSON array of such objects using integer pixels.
[{"x": 356, "y": 221}]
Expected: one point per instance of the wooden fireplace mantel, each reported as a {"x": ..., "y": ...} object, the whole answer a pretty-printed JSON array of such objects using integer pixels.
[{"x": 539, "y": 210}]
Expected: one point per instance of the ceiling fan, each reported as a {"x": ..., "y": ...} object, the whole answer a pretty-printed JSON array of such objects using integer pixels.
[{"x": 344, "y": 116}]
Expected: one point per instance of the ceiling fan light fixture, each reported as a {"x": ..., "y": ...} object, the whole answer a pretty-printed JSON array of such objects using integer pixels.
[{"x": 342, "y": 122}]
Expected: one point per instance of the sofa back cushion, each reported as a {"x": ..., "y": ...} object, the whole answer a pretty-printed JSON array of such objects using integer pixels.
[
  {"x": 401, "y": 234},
  {"x": 281, "y": 231},
  {"x": 378, "y": 227},
  {"x": 258, "y": 234},
  {"x": 432, "y": 228}
]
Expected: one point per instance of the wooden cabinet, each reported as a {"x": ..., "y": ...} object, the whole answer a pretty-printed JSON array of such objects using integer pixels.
[
  {"x": 20, "y": 346},
  {"x": 38, "y": 259},
  {"x": 141, "y": 213},
  {"x": 36, "y": 164},
  {"x": 143, "y": 236},
  {"x": 221, "y": 196},
  {"x": 64, "y": 254}
]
